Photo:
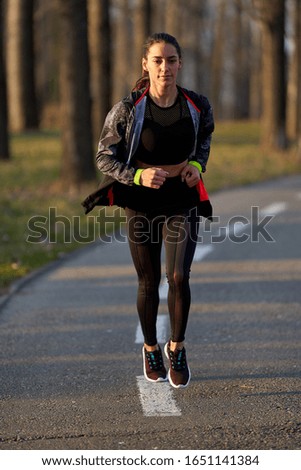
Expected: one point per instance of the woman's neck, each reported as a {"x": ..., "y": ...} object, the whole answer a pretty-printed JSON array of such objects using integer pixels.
[{"x": 163, "y": 98}]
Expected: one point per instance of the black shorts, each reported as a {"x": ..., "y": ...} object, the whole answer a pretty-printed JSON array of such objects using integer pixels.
[{"x": 172, "y": 198}]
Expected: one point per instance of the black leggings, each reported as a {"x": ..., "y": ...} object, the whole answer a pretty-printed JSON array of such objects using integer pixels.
[{"x": 145, "y": 236}]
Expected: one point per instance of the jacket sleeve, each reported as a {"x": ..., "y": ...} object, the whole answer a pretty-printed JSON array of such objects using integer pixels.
[
  {"x": 206, "y": 128},
  {"x": 111, "y": 154}
]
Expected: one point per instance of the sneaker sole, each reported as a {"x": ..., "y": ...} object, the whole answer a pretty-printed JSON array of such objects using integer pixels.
[
  {"x": 159, "y": 379},
  {"x": 168, "y": 373}
]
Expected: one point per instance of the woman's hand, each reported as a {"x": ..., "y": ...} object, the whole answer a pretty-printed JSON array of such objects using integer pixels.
[
  {"x": 153, "y": 177},
  {"x": 191, "y": 175}
]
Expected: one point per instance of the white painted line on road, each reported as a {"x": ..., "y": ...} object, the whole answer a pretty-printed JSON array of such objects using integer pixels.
[
  {"x": 157, "y": 398},
  {"x": 239, "y": 226},
  {"x": 274, "y": 209},
  {"x": 163, "y": 290},
  {"x": 201, "y": 251},
  {"x": 161, "y": 330}
]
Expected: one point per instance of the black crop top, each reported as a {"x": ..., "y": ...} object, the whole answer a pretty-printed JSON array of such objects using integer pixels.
[{"x": 167, "y": 135}]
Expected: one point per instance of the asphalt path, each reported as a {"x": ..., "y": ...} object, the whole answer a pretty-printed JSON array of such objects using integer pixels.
[{"x": 71, "y": 366}]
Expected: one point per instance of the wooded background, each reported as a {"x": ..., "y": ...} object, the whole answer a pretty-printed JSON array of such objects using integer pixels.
[{"x": 63, "y": 63}]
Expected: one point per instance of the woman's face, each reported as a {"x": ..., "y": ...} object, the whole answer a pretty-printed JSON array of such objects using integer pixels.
[{"x": 162, "y": 64}]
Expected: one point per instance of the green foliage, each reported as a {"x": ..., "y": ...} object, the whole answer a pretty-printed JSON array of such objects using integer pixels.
[{"x": 30, "y": 186}]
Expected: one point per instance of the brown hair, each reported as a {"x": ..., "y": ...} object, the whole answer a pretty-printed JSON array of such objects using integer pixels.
[{"x": 143, "y": 81}]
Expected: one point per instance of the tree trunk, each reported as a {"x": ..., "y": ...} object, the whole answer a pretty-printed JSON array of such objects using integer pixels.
[
  {"x": 255, "y": 97},
  {"x": 193, "y": 69},
  {"x": 158, "y": 20},
  {"x": 47, "y": 49},
  {"x": 173, "y": 18},
  {"x": 122, "y": 80},
  {"x": 241, "y": 66},
  {"x": 99, "y": 33},
  {"x": 4, "y": 147},
  {"x": 217, "y": 59},
  {"x": 298, "y": 54},
  {"x": 142, "y": 29},
  {"x": 198, "y": 56},
  {"x": 272, "y": 19},
  {"x": 291, "y": 104},
  {"x": 20, "y": 66},
  {"x": 77, "y": 163}
]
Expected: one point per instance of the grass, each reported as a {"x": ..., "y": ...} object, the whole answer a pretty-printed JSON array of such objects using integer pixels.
[
  {"x": 237, "y": 159},
  {"x": 39, "y": 220}
]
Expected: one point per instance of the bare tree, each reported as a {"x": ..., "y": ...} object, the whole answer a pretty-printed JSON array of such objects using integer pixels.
[
  {"x": 200, "y": 48},
  {"x": 122, "y": 77},
  {"x": 99, "y": 34},
  {"x": 173, "y": 18},
  {"x": 217, "y": 58},
  {"x": 255, "y": 97},
  {"x": 47, "y": 62},
  {"x": 192, "y": 44},
  {"x": 77, "y": 161},
  {"x": 241, "y": 63},
  {"x": 142, "y": 28},
  {"x": 20, "y": 65},
  {"x": 272, "y": 18},
  {"x": 158, "y": 19},
  {"x": 298, "y": 49},
  {"x": 4, "y": 148}
]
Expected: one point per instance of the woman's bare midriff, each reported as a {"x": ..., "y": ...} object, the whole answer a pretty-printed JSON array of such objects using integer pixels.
[{"x": 173, "y": 170}]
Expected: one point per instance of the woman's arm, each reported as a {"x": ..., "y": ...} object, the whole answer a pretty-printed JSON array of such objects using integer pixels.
[
  {"x": 204, "y": 135},
  {"x": 111, "y": 154}
]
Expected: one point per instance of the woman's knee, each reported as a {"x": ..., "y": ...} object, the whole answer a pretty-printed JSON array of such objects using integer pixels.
[
  {"x": 178, "y": 279},
  {"x": 148, "y": 286}
]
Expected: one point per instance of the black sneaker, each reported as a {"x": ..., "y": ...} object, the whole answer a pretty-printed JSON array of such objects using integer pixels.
[
  {"x": 179, "y": 372},
  {"x": 153, "y": 367}
]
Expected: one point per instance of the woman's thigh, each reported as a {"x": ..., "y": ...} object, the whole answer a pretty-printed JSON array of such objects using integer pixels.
[
  {"x": 145, "y": 242},
  {"x": 180, "y": 237}
]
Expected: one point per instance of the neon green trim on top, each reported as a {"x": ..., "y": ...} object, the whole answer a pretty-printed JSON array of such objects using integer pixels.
[
  {"x": 137, "y": 176},
  {"x": 196, "y": 164}
]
